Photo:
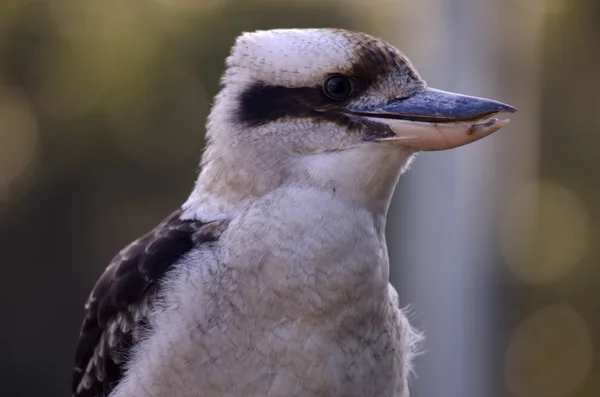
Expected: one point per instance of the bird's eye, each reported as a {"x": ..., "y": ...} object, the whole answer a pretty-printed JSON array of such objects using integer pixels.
[{"x": 337, "y": 87}]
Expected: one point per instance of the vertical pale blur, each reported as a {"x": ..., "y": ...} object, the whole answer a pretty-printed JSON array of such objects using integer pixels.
[{"x": 447, "y": 207}]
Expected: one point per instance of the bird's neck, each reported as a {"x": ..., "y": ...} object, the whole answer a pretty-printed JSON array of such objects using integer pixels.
[
  {"x": 365, "y": 175},
  {"x": 230, "y": 181}
]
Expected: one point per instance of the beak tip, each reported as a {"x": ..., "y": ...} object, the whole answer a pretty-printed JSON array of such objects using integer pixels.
[{"x": 507, "y": 108}]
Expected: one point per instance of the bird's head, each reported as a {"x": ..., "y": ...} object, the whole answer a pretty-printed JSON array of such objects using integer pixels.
[{"x": 332, "y": 108}]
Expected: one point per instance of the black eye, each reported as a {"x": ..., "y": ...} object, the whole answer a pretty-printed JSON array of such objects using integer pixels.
[{"x": 337, "y": 87}]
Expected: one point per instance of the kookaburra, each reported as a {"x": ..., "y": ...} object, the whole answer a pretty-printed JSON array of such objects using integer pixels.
[{"x": 272, "y": 278}]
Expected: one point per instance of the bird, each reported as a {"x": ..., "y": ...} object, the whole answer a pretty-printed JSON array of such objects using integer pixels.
[{"x": 272, "y": 278}]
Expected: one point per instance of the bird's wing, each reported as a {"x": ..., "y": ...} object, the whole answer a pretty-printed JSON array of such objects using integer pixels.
[{"x": 116, "y": 311}]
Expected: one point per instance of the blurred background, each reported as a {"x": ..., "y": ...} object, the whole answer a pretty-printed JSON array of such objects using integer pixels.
[{"x": 494, "y": 245}]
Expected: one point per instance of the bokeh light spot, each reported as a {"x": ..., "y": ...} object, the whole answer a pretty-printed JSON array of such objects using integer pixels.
[
  {"x": 549, "y": 354},
  {"x": 18, "y": 135},
  {"x": 545, "y": 232}
]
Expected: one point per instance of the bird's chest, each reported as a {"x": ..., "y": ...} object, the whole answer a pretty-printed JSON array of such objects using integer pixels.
[
  {"x": 305, "y": 257},
  {"x": 294, "y": 358}
]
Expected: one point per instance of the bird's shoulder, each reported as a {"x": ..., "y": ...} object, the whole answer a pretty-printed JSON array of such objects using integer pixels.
[{"x": 117, "y": 308}]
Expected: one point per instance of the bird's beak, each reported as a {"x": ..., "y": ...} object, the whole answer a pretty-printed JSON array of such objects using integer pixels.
[{"x": 431, "y": 119}]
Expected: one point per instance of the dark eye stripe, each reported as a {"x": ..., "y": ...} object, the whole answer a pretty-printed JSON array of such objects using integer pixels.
[{"x": 260, "y": 103}]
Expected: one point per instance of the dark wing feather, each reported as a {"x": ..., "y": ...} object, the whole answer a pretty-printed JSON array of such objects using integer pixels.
[{"x": 115, "y": 313}]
